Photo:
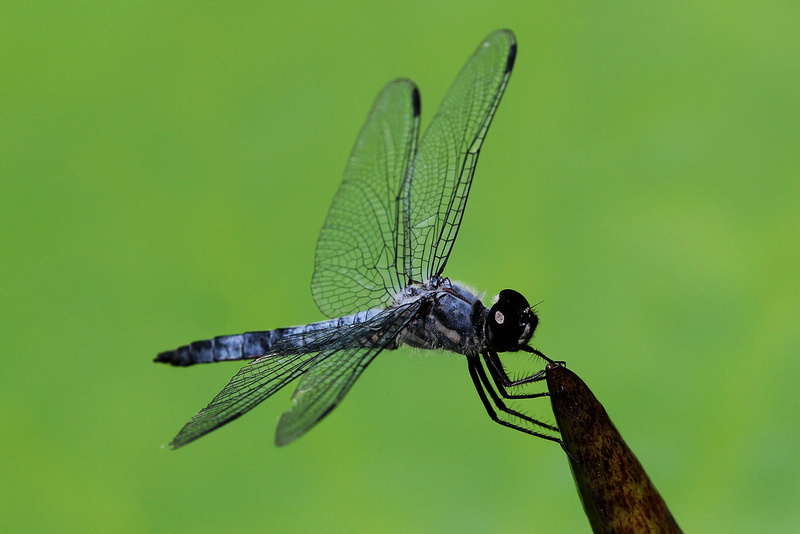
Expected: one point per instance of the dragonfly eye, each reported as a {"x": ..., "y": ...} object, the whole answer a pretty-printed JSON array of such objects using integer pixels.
[{"x": 511, "y": 322}]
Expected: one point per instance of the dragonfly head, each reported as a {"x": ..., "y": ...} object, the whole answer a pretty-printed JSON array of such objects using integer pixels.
[{"x": 510, "y": 323}]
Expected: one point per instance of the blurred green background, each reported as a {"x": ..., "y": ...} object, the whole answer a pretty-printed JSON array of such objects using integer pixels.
[{"x": 165, "y": 169}]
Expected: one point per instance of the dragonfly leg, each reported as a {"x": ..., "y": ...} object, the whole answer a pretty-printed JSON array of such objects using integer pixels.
[
  {"x": 503, "y": 381},
  {"x": 491, "y": 401}
]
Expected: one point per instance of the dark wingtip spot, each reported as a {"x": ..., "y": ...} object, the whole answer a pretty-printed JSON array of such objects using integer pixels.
[
  {"x": 512, "y": 54},
  {"x": 416, "y": 105}
]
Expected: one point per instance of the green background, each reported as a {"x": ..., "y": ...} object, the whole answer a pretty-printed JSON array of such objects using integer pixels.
[{"x": 165, "y": 169}]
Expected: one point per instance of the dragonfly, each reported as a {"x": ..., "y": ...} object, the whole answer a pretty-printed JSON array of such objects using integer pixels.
[{"x": 378, "y": 272}]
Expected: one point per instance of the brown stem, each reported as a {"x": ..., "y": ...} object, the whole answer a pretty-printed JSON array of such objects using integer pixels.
[{"x": 616, "y": 493}]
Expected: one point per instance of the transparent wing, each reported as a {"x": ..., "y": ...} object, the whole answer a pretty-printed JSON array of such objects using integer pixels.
[
  {"x": 435, "y": 193},
  {"x": 338, "y": 351},
  {"x": 251, "y": 385},
  {"x": 324, "y": 386},
  {"x": 356, "y": 263}
]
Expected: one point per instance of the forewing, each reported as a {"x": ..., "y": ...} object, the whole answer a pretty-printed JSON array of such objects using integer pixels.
[
  {"x": 356, "y": 263},
  {"x": 435, "y": 194},
  {"x": 332, "y": 375}
]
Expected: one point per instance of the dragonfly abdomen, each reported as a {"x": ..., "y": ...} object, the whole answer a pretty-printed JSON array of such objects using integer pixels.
[
  {"x": 250, "y": 345},
  {"x": 245, "y": 346}
]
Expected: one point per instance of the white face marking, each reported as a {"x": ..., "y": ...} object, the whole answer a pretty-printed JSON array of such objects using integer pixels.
[
  {"x": 498, "y": 317},
  {"x": 526, "y": 335}
]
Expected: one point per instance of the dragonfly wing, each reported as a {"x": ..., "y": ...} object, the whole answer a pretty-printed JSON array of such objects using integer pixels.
[
  {"x": 249, "y": 387},
  {"x": 332, "y": 375},
  {"x": 334, "y": 357},
  {"x": 288, "y": 357},
  {"x": 356, "y": 265},
  {"x": 435, "y": 193}
]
